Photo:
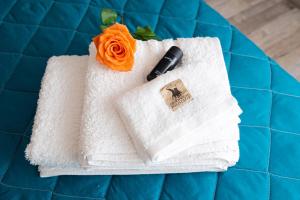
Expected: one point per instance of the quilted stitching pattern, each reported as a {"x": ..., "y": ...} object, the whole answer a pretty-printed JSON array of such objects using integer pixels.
[{"x": 33, "y": 30}]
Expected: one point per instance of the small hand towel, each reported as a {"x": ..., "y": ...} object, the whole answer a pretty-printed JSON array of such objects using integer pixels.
[{"x": 162, "y": 132}]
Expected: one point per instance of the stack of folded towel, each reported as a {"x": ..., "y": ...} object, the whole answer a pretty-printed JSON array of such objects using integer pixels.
[{"x": 92, "y": 120}]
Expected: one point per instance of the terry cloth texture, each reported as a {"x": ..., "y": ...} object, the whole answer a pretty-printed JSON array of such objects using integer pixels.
[
  {"x": 56, "y": 150},
  {"x": 54, "y": 140},
  {"x": 104, "y": 137}
]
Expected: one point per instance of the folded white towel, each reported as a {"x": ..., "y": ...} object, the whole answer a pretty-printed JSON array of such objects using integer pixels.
[
  {"x": 161, "y": 132},
  {"x": 103, "y": 135},
  {"x": 55, "y": 138},
  {"x": 55, "y": 135}
]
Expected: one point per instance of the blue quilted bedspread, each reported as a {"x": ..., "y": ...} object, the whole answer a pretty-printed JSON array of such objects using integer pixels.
[{"x": 33, "y": 30}]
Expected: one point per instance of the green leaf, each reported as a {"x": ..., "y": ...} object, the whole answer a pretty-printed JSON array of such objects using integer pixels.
[
  {"x": 145, "y": 33},
  {"x": 102, "y": 27},
  {"x": 108, "y": 16}
]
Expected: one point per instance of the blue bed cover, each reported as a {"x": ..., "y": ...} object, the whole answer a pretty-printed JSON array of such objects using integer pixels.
[{"x": 33, "y": 30}]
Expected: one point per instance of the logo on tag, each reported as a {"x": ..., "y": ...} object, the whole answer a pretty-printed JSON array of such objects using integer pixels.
[{"x": 175, "y": 94}]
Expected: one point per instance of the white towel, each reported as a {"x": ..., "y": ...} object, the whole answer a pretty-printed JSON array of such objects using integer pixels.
[
  {"x": 160, "y": 132},
  {"x": 55, "y": 135},
  {"x": 104, "y": 137}
]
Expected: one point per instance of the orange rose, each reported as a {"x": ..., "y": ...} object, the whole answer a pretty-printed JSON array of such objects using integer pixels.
[{"x": 115, "y": 48}]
